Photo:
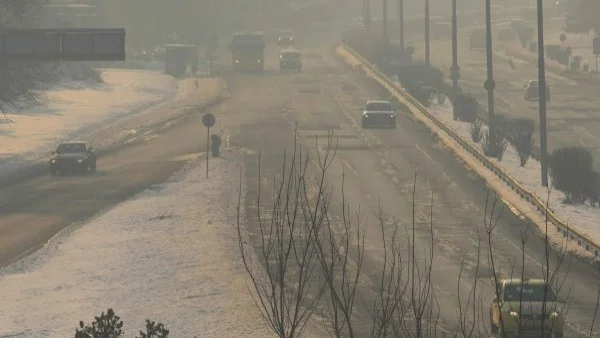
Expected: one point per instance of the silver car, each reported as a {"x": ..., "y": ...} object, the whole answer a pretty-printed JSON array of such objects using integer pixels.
[
  {"x": 532, "y": 91},
  {"x": 378, "y": 113}
]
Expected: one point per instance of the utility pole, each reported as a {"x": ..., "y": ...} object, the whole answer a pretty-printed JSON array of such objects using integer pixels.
[
  {"x": 489, "y": 84},
  {"x": 542, "y": 95},
  {"x": 386, "y": 38},
  {"x": 367, "y": 18},
  {"x": 401, "y": 23},
  {"x": 427, "y": 61},
  {"x": 454, "y": 69}
]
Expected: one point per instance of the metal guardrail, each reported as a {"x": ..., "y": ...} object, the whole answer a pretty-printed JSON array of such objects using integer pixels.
[{"x": 561, "y": 226}]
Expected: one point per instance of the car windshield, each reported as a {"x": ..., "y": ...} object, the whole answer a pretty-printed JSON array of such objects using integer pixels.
[
  {"x": 530, "y": 293},
  {"x": 373, "y": 106},
  {"x": 71, "y": 148},
  {"x": 291, "y": 55}
]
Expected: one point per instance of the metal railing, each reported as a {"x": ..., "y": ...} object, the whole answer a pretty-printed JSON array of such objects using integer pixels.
[{"x": 561, "y": 226}]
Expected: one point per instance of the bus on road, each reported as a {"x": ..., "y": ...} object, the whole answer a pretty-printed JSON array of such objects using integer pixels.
[{"x": 248, "y": 51}]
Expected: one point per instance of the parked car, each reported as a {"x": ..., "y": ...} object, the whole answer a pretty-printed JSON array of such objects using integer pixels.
[
  {"x": 518, "y": 305},
  {"x": 73, "y": 157},
  {"x": 532, "y": 91},
  {"x": 290, "y": 59},
  {"x": 285, "y": 37},
  {"x": 378, "y": 113}
]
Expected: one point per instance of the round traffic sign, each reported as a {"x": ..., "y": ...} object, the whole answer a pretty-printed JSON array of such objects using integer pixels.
[{"x": 208, "y": 120}]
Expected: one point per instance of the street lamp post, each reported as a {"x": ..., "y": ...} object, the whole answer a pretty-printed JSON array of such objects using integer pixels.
[
  {"x": 427, "y": 61},
  {"x": 454, "y": 69},
  {"x": 542, "y": 94},
  {"x": 401, "y": 23},
  {"x": 367, "y": 18},
  {"x": 385, "y": 22},
  {"x": 489, "y": 82}
]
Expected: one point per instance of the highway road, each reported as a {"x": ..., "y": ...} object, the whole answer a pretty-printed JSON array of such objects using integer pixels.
[
  {"x": 379, "y": 168},
  {"x": 573, "y": 114}
]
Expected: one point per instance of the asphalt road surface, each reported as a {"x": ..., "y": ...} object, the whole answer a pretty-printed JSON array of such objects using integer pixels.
[
  {"x": 379, "y": 166},
  {"x": 573, "y": 113}
]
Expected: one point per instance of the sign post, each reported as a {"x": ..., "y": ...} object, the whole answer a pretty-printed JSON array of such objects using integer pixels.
[
  {"x": 208, "y": 120},
  {"x": 597, "y": 49}
]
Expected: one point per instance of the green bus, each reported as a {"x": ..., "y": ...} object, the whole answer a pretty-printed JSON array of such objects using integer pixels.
[
  {"x": 248, "y": 51},
  {"x": 180, "y": 58}
]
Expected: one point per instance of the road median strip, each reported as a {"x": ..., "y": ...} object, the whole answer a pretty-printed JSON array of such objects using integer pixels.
[{"x": 473, "y": 157}]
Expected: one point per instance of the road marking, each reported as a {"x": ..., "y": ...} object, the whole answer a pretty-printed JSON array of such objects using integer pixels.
[
  {"x": 424, "y": 153},
  {"x": 347, "y": 164}
]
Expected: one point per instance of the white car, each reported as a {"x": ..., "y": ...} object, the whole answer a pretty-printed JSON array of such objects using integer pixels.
[{"x": 378, "y": 113}]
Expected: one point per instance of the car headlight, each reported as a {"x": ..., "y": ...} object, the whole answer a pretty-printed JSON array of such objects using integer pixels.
[
  {"x": 80, "y": 160},
  {"x": 392, "y": 115},
  {"x": 259, "y": 61},
  {"x": 514, "y": 313},
  {"x": 237, "y": 61},
  {"x": 53, "y": 160},
  {"x": 555, "y": 314}
]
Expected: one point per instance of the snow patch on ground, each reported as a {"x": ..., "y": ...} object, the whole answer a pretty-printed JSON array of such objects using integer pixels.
[
  {"x": 585, "y": 219},
  {"x": 170, "y": 254},
  {"x": 28, "y": 132}
]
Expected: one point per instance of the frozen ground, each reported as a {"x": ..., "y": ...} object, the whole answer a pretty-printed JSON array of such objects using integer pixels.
[
  {"x": 68, "y": 111},
  {"x": 170, "y": 254},
  {"x": 584, "y": 219}
]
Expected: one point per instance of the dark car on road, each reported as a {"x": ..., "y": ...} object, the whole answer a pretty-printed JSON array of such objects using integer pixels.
[
  {"x": 285, "y": 37},
  {"x": 378, "y": 113},
  {"x": 532, "y": 91},
  {"x": 73, "y": 157},
  {"x": 290, "y": 59}
]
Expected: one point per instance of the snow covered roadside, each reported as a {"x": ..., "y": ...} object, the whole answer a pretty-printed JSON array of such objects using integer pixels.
[
  {"x": 170, "y": 254},
  {"x": 585, "y": 219},
  {"x": 30, "y": 132}
]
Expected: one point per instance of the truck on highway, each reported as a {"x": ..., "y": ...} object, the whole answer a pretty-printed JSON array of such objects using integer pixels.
[
  {"x": 180, "y": 58},
  {"x": 248, "y": 51}
]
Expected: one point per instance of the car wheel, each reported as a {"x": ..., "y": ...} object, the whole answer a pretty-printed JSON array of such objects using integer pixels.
[
  {"x": 93, "y": 167},
  {"x": 364, "y": 124}
]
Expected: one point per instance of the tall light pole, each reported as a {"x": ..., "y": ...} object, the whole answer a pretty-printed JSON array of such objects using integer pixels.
[
  {"x": 427, "y": 61},
  {"x": 489, "y": 84},
  {"x": 542, "y": 94},
  {"x": 367, "y": 17},
  {"x": 454, "y": 69},
  {"x": 385, "y": 22},
  {"x": 401, "y": 23}
]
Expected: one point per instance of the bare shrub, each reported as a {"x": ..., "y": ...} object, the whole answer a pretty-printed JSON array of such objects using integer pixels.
[
  {"x": 520, "y": 136},
  {"x": 286, "y": 278},
  {"x": 475, "y": 130},
  {"x": 466, "y": 107},
  {"x": 593, "y": 189},
  {"x": 494, "y": 146},
  {"x": 570, "y": 170}
]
